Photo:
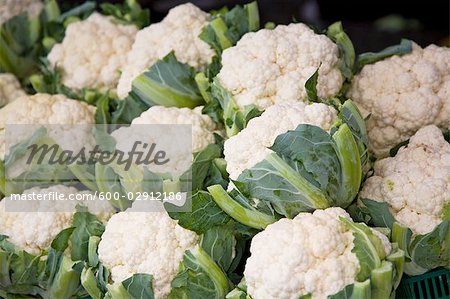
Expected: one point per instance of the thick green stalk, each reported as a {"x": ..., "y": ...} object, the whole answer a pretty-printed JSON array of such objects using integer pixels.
[
  {"x": 253, "y": 16},
  {"x": 381, "y": 281},
  {"x": 117, "y": 291},
  {"x": 317, "y": 199},
  {"x": 220, "y": 29},
  {"x": 90, "y": 284},
  {"x": 66, "y": 281},
  {"x": 251, "y": 218},
  {"x": 212, "y": 269},
  {"x": 361, "y": 290}
]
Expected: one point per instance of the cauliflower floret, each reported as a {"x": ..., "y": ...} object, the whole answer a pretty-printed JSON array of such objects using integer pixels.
[
  {"x": 131, "y": 233},
  {"x": 93, "y": 52},
  {"x": 48, "y": 109},
  {"x": 311, "y": 253},
  {"x": 403, "y": 94},
  {"x": 416, "y": 182},
  {"x": 271, "y": 66},
  {"x": 33, "y": 225},
  {"x": 11, "y": 8},
  {"x": 178, "y": 32},
  {"x": 10, "y": 89},
  {"x": 203, "y": 129},
  {"x": 250, "y": 146}
]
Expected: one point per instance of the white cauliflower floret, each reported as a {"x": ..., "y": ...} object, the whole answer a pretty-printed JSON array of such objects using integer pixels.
[
  {"x": 416, "y": 182},
  {"x": 250, "y": 146},
  {"x": 11, "y": 8},
  {"x": 271, "y": 66},
  {"x": 10, "y": 89},
  {"x": 178, "y": 32},
  {"x": 139, "y": 242},
  {"x": 203, "y": 129},
  {"x": 33, "y": 225},
  {"x": 311, "y": 253},
  {"x": 93, "y": 52},
  {"x": 48, "y": 109},
  {"x": 403, "y": 94}
]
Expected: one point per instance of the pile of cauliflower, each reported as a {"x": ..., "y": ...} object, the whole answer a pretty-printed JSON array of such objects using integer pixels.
[{"x": 379, "y": 137}]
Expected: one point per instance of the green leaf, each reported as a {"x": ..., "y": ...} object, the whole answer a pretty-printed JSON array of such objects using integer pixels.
[
  {"x": 393, "y": 151},
  {"x": 124, "y": 111},
  {"x": 432, "y": 250},
  {"x": 205, "y": 214},
  {"x": 219, "y": 242},
  {"x": 300, "y": 174},
  {"x": 367, "y": 246},
  {"x": 227, "y": 27},
  {"x": 169, "y": 83},
  {"x": 380, "y": 213},
  {"x": 199, "y": 277},
  {"x": 61, "y": 241},
  {"x": 130, "y": 12},
  {"x": 347, "y": 52},
  {"x": 139, "y": 286},
  {"x": 86, "y": 225},
  {"x": 405, "y": 47},
  {"x": 311, "y": 87},
  {"x": 345, "y": 293}
]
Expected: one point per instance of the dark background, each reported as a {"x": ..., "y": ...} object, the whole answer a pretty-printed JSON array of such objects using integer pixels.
[{"x": 372, "y": 24}]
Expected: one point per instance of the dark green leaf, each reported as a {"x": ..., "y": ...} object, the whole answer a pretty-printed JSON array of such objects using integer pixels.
[
  {"x": 139, "y": 286},
  {"x": 219, "y": 242},
  {"x": 379, "y": 212},
  {"x": 432, "y": 250},
  {"x": 204, "y": 215},
  {"x": 311, "y": 87},
  {"x": 85, "y": 225},
  {"x": 130, "y": 12},
  {"x": 403, "y": 48}
]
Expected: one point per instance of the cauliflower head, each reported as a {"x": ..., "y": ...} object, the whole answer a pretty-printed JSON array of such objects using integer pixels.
[
  {"x": 271, "y": 66},
  {"x": 93, "y": 52},
  {"x": 11, "y": 8},
  {"x": 178, "y": 32},
  {"x": 403, "y": 94},
  {"x": 416, "y": 182},
  {"x": 139, "y": 242},
  {"x": 203, "y": 129},
  {"x": 310, "y": 254},
  {"x": 10, "y": 89},
  {"x": 45, "y": 109},
  {"x": 34, "y": 231},
  {"x": 251, "y": 145}
]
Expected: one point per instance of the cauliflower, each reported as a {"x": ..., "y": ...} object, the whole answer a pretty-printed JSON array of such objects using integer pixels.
[
  {"x": 203, "y": 129},
  {"x": 139, "y": 242},
  {"x": 178, "y": 32},
  {"x": 416, "y": 182},
  {"x": 314, "y": 254},
  {"x": 11, "y": 8},
  {"x": 403, "y": 94},
  {"x": 293, "y": 158},
  {"x": 251, "y": 145},
  {"x": 46, "y": 109},
  {"x": 93, "y": 52},
  {"x": 34, "y": 229},
  {"x": 10, "y": 89},
  {"x": 272, "y": 66}
]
